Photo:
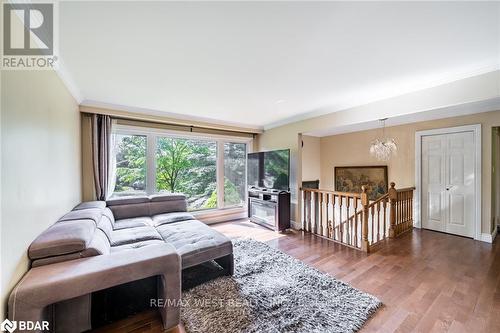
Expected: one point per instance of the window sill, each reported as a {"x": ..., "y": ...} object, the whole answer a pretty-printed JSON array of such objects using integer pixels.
[{"x": 221, "y": 215}]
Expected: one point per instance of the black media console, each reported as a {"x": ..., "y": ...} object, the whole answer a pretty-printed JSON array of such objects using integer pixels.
[{"x": 269, "y": 208}]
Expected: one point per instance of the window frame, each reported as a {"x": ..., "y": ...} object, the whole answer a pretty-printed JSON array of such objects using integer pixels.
[
  {"x": 152, "y": 134},
  {"x": 147, "y": 143},
  {"x": 220, "y": 162}
]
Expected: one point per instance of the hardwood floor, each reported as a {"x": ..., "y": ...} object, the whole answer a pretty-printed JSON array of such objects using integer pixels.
[{"x": 428, "y": 281}]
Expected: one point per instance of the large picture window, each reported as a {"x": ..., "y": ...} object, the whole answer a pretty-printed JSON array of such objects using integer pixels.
[{"x": 210, "y": 171}]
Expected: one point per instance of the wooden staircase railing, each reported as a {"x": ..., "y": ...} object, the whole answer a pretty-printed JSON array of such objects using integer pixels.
[
  {"x": 401, "y": 210},
  {"x": 372, "y": 234},
  {"x": 352, "y": 220}
]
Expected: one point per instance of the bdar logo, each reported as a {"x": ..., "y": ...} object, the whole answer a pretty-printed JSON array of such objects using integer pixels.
[{"x": 9, "y": 326}]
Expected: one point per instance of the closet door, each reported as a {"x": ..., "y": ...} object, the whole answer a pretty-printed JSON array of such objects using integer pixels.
[
  {"x": 433, "y": 182},
  {"x": 459, "y": 190},
  {"x": 448, "y": 176}
]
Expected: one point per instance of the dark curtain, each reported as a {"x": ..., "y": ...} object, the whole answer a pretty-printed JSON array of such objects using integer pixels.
[{"x": 101, "y": 141}]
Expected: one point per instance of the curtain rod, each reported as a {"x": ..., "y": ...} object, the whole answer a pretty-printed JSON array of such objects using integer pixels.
[{"x": 186, "y": 126}]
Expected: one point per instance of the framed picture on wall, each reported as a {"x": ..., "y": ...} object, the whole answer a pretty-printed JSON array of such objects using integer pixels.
[{"x": 351, "y": 178}]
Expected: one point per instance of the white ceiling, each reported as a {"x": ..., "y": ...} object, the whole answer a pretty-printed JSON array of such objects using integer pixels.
[{"x": 266, "y": 63}]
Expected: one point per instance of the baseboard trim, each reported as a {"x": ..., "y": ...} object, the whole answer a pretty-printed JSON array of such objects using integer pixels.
[
  {"x": 295, "y": 225},
  {"x": 489, "y": 238}
]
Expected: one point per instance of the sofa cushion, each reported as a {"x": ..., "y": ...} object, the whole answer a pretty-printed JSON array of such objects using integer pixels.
[
  {"x": 106, "y": 226},
  {"x": 109, "y": 214},
  {"x": 56, "y": 259},
  {"x": 161, "y": 207},
  {"x": 62, "y": 238},
  {"x": 91, "y": 204},
  {"x": 136, "y": 245},
  {"x": 99, "y": 245},
  {"x": 124, "y": 208},
  {"x": 93, "y": 214},
  {"x": 133, "y": 235},
  {"x": 167, "y": 203},
  {"x": 195, "y": 241},
  {"x": 127, "y": 200},
  {"x": 171, "y": 218},
  {"x": 133, "y": 222}
]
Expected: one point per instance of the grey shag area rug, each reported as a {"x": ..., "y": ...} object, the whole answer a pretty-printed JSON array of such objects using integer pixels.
[{"x": 273, "y": 292}]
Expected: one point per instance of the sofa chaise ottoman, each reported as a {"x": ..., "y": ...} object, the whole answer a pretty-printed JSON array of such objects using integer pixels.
[{"x": 101, "y": 244}]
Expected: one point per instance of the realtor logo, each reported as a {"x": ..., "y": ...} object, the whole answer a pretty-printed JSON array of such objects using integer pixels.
[
  {"x": 28, "y": 29},
  {"x": 29, "y": 36},
  {"x": 8, "y": 326}
]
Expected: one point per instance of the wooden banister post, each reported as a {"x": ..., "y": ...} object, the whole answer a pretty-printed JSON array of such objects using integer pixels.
[
  {"x": 393, "y": 198},
  {"x": 365, "y": 247}
]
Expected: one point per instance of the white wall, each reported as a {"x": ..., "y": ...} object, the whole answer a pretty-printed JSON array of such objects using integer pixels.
[{"x": 40, "y": 164}]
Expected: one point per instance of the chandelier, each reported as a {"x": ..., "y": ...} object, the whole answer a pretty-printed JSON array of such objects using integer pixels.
[{"x": 383, "y": 148}]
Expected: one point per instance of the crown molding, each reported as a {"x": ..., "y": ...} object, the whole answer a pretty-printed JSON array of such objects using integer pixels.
[
  {"x": 357, "y": 103},
  {"x": 465, "y": 109},
  {"x": 137, "y": 113}
]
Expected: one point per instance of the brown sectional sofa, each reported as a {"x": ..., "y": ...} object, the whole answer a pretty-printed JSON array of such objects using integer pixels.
[{"x": 100, "y": 244}]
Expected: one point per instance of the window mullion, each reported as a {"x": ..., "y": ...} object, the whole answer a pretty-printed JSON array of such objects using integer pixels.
[
  {"x": 220, "y": 174},
  {"x": 151, "y": 165},
  {"x": 248, "y": 149}
]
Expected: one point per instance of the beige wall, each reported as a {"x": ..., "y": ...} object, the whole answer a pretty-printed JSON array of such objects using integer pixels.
[
  {"x": 435, "y": 102},
  {"x": 41, "y": 167},
  {"x": 495, "y": 175},
  {"x": 311, "y": 158},
  {"x": 352, "y": 149},
  {"x": 283, "y": 138},
  {"x": 88, "y": 186}
]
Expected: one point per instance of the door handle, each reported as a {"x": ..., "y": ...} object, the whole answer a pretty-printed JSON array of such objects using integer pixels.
[{"x": 449, "y": 187}]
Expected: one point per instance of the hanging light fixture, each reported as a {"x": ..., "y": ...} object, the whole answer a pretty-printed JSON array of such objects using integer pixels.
[{"x": 383, "y": 148}]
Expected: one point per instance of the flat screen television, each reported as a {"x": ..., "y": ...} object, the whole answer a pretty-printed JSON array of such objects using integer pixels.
[{"x": 270, "y": 169}]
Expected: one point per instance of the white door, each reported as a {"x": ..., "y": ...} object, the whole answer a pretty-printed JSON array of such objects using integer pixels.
[{"x": 448, "y": 177}]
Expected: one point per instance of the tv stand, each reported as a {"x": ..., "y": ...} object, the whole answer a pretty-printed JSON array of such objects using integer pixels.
[{"x": 269, "y": 208}]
